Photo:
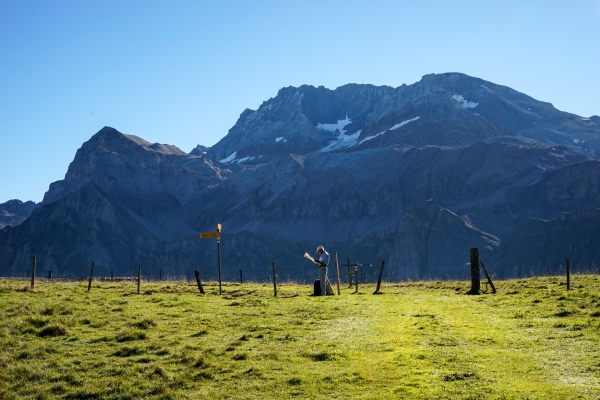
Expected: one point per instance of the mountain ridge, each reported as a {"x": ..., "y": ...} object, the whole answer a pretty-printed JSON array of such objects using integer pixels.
[{"x": 415, "y": 175}]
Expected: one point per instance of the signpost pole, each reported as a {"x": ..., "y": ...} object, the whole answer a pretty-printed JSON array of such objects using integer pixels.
[
  {"x": 216, "y": 235},
  {"x": 219, "y": 256}
]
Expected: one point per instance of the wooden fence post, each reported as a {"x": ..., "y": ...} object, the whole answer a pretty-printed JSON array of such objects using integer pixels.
[
  {"x": 160, "y": 274},
  {"x": 349, "y": 273},
  {"x": 33, "y": 266},
  {"x": 139, "y": 277},
  {"x": 568, "y": 275},
  {"x": 274, "y": 279},
  {"x": 197, "y": 273},
  {"x": 241, "y": 280},
  {"x": 90, "y": 279},
  {"x": 488, "y": 277},
  {"x": 50, "y": 274},
  {"x": 337, "y": 273},
  {"x": 356, "y": 278},
  {"x": 379, "y": 279},
  {"x": 475, "y": 284}
]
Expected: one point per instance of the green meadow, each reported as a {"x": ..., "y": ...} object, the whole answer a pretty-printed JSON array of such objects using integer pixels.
[{"x": 416, "y": 340}]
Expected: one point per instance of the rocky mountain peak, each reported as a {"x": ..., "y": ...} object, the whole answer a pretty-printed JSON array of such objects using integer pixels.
[
  {"x": 111, "y": 140},
  {"x": 14, "y": 212},
  {"x": 448, "y": 109},
  {"x": 199, "y": 150}
]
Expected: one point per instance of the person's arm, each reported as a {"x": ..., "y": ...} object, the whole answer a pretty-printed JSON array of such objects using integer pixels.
[{"x": 319, "y": 263}]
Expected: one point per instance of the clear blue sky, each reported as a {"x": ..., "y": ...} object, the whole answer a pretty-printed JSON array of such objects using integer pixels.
[{"x": 181, "y": 72}]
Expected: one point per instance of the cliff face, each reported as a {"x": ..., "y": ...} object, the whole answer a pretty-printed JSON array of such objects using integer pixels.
[{"x": 415, "y": 175}]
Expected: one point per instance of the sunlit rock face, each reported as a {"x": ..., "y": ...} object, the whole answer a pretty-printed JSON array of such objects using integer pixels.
[{"x": 415, "y": 175}]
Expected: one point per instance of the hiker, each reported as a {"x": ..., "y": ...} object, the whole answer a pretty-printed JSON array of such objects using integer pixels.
[{"x": 322, "y": 264}]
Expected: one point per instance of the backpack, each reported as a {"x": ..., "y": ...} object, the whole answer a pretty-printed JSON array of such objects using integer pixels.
[{"x": 317, "y": 288}]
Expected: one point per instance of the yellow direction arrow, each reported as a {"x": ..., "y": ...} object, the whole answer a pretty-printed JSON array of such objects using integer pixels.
[{"x": 210, "y": 235}]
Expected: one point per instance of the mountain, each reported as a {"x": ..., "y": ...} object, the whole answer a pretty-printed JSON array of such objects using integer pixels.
[
  {"x": 13, "y": 212},
  {"x": 199, "y": 150},
  {"x": 415, "y": 175}
]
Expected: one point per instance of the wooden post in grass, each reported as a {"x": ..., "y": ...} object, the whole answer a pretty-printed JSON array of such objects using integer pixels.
[
  {"x": 475, "y": 284},
  {"x": 160, "y": 274},
  {"x": 337, "y": 273},
  {"x": 197, "y": 273},
  {"x": 488, "y": 276},
  {"x": 274, "y": 279},
  {"x": 33, "y": 266},
  {"x": 568, "y": 275},
  {"x": 356, "y": 278},
  {"x": 379, "y": 279},
  {"x": 139, "y": 277},
  {"x": 90, "y": 279},
  {"x": 49, "y": 274},
  {"x": 349, "y": 273},
  {"x": 241, "y": 280}
]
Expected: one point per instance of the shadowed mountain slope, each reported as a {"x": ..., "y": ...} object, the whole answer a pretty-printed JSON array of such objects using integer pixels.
[{"x": 415, "y": 175}]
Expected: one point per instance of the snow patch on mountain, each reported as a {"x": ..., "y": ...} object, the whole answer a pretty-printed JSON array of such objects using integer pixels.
[
  {"x": 401, "y": 124},
  {"x": 230, "y": 158},
  {"x": 466, "y": 104},
  {"x": 342, "y": 142},
  {"x": 371, "y": 137},
  {"x": 338, "y": 126}
]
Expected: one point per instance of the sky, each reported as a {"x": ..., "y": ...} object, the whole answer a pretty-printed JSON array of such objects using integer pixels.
[{"x": 181, "y": 72}]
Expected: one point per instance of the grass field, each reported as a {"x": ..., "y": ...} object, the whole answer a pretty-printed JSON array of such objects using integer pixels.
[{"x": 417, "y": 340}]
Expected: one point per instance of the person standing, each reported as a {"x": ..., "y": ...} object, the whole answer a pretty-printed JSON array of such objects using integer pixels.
[{"x": 322, "y": 263}]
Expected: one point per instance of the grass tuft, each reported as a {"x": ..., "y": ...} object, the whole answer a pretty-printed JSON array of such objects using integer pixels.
[
  {"x": 564, "y": 313},
  {"x": 146, "y": 323},
  {"x": 458, "y": 377},
  {"x": 321, "y": 356},
  {"x": 294, "y": 381},
  {"x": 53, "y": 331},
  {"x": 128, "y": 351},
  {"x": 240, "y": 357},
  {"x": 201, "y": 363},
  {"x": 129, "y": 336}
]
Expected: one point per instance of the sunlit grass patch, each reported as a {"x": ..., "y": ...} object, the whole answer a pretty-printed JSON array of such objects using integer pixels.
[{"x": 419, "y": 340}]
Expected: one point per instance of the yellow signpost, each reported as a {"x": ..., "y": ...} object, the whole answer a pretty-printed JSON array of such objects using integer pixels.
[
  {"x": 210, "y": 235},
  {"x": 215, "y": 235}
]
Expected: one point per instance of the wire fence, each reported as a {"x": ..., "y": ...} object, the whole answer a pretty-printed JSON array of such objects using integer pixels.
[{"x": 365, "y": 273}]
